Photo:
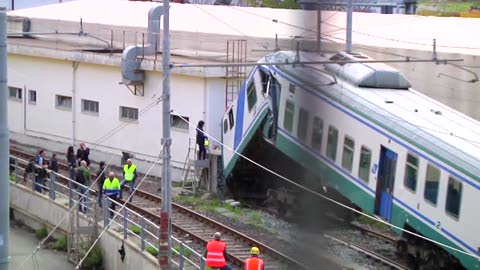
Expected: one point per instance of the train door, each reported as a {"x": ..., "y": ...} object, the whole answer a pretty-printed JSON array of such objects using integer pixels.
[{"x": 385, "y": 183}]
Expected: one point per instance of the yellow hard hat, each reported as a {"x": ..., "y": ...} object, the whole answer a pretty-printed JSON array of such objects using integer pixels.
[
  {"x": 207, "y": 143},
  {"x": 254, "y": 251}
]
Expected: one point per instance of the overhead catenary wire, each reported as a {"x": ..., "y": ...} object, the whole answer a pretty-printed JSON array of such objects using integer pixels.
[
  {"x": 227, "y": 24},
  {"x": 292, "y": 182},
  {"x": 117, "y": 212}
]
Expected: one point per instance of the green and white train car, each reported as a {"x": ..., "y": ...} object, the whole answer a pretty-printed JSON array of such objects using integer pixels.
[{"x": 363, "y": 131}]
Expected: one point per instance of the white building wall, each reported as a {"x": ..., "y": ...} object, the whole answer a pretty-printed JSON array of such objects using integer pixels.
[{"x": 50, "y": 127}]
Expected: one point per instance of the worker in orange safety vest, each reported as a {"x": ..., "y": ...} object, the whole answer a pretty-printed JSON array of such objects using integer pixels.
[
  {"x": 216, "y": 253},
  {"x": 254, "y": 263}
]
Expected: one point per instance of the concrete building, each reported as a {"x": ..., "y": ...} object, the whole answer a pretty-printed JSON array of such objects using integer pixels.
[{"x": 65, "y": 74}]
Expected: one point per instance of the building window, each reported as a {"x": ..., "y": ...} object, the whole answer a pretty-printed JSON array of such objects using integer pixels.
[
  {"x": 364, "y": 163},
  {"x": 432, "y": 181},
  {"x": 302, "y": 126},
  {"x": 332, "y": 141},
  {"x": 288, "y": 117},
  {"x": 32, "y": 96},
  {"x": 454, "y": 197},
  {"x": 63, "y": 102},
  {"x": 411, "y": 169},
  {"x": 317, "y": 131},
  {"x": 177, "y": 122},
  {"x": 251, "y": 95},
  {"x": 347, "y": 156},
  {"x": 128, "y": 113},
  {"x": 15, "y": 93},
  {"x": 90, "y": 106}
]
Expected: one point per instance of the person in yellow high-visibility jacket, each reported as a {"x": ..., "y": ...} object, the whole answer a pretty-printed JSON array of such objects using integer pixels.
[
  {"x": 129, "y": 176},
  {"x": 111, "y": 189}
]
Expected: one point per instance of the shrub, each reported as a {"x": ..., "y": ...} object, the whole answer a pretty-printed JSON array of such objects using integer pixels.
[
  {"x": 186, "y": 251},
  {"x": 94, "y": 258},
  {"x": 61, "y": 243},
  {"x": 136, "y": 229},
  {"x": 41, "y": 233},
  {"x": 152, "y": 250}
]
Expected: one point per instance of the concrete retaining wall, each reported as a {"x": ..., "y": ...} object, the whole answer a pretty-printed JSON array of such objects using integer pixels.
[{"x": 37, "y": 210}]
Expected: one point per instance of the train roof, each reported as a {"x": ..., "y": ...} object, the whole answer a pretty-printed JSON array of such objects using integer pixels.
[{"x": 428, "y": 124}]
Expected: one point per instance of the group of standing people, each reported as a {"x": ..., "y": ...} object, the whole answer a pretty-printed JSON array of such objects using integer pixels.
[
  {"x": 109, "y": 186},
  {"x": 39, "y": 166}
]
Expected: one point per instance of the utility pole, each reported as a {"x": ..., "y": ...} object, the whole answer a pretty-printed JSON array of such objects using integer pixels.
[
  {"x": 4, "y": 145},
  {"x": 349, "y": 25},
  {"x": 319, "y": 29},
  {"x": 165, "y": 254}
]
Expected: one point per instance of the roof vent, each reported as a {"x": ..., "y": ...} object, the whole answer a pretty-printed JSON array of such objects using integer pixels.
[{"x": 375, "y": 75}]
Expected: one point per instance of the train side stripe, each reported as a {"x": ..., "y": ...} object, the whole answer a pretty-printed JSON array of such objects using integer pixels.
[
  {"x": 460, "y": 177},
  {"x": 362, "y": 183},
  {"x": 461, "y": 242}
]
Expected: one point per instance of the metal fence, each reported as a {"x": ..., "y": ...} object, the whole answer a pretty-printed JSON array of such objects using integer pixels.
[{"x": 130, "y": 222}]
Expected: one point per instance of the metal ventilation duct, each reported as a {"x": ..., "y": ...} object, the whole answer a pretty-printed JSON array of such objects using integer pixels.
[{"x": 131, "y": 73}]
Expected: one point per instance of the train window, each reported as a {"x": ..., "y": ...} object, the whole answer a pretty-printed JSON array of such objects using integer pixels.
[
  {"x": 230, "y": 118},
  {"x": 302, "y": 124},
  {"x": 431, "y": 184},
  {"x": 317, "y": 131},
  {"x": 364, "y": 164},
  {"x": 291, "y": 89},
  {"x": 251, "y": 95},
  {"x": 225, "y": 126},
  {"x": 454, "y": 197},
  {"x": 265, "y": 77},
  {"x": 411, "y": 172},
  {"x": 288, "y": 117},
  {"x": 332, "y": 141},
  {"x": 347, "y": 156}
]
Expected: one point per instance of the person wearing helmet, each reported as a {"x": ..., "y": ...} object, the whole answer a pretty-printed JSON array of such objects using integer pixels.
[{"x": 254, "y": 263}]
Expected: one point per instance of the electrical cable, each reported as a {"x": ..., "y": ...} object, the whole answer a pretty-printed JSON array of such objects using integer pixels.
[
  {"x": 328, "y": 198},
  {"x": 235, "y": 29},
  {"x": 117, "y": 212}
]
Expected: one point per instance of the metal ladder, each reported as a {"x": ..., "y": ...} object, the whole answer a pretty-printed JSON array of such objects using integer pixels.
[
  {"x": 82, "y": 231},
  {"x": 194, "y": 170}
]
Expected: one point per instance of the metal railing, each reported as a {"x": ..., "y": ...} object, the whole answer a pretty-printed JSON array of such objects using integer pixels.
[{"x": 132, "y": 224}]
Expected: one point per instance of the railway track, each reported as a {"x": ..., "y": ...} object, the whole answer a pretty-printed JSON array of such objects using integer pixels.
[
  {"x": 372, "y": 254},
  {"x": 199, "y": 228}
]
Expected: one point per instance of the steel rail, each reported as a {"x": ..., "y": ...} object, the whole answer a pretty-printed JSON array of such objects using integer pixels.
[{"x": 369, "y": 253}]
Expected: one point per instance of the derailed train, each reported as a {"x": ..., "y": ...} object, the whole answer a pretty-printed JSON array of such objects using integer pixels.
[{"x": 360, "y": 128}]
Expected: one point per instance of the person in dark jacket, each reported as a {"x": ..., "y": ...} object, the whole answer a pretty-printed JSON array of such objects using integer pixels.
[
  {"x": 82, "y": 177},
  {"x": 201, "y": 138},
  {"x": 100, "y": 181},
  {"x": 72, "y": 161},
  {"x": 42, "y": 174},
  {"x": 82, "y": 154},
  {"x": 53, "y": 163}
]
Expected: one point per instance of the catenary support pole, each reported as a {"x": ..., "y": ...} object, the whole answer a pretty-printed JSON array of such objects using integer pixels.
[
  {"x": 4, "y": 145},
  {"x": 165, "y": 254},
  {"x": 319, "y": 29},
  {"x": 349, "y": 25}
]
